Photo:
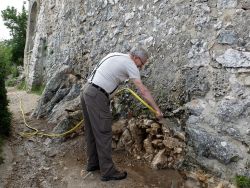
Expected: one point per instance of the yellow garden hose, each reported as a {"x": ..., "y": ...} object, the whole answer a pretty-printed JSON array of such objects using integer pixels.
[
  {"x": 37, "y": 132},
  {"x": 138, "y": 98}
]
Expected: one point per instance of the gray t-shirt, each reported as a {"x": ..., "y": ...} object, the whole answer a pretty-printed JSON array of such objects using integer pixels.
[{"x": 115, "y": 68}]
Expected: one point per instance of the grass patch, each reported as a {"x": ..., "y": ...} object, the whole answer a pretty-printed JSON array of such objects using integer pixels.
[
  {"x": 38, "y": 89},
  {"x": 242, "y": 181},
  {"x": 22, "y": 85}
]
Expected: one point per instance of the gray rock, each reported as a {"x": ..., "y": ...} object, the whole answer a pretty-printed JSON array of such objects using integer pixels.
[
  {"x": 234, "y": 58},
  {"x": 220, "y": 83},
  {"x": 210, "y": 146},
  {"x": 68, "y": 122},
  {"x": 125, "y": 140},
  {"x": 195, "y": 81},
  {"x": 58, "y": 90},
  {"x": 118, "y": 127},
  {"x": 192, "y": 120},
  {"x": 248, "y": 132},
  {"x": 227, "y": 37},
  {"x": 225, "y": 4},
  {"x": 159, "y": 160},
  {"x": 230, "y": 109},
  {"x": 196, "y": 107},
  {"x": 245, "y": 4}
]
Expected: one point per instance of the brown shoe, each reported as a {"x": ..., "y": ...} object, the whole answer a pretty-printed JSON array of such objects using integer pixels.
[{"x": 116, "y": 176}]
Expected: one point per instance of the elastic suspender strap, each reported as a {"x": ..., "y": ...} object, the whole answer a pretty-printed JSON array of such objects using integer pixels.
[
  {"x": 113, "y": 90},
  {"x": 98, "y": 65}
]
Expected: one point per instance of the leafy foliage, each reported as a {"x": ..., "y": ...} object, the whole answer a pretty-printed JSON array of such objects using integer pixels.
[
  {"x": 242, "y": 181},
  {"x": 5, "y": 57},
  {"x": 17, "y": 23},
  {"x": 5, "y": 116}
]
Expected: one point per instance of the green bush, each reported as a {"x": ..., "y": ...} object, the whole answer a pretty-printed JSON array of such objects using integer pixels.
[
  {"x": 242, "y": 181},
  {"x": 5, "y": 116},
  {"x": 5, "y": 57},
  {"x": 14, "y": 71},
  {"x": 38, "y": 89},
  {"x": 10, "y": 82}
]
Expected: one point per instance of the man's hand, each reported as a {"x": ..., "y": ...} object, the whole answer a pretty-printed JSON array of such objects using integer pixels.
[
  {"x": 145, "y": 93},
  {"x": 159, "y": 115}
]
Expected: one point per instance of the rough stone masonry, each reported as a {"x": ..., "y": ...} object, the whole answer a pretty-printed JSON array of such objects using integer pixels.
[{"x": 200, "y": 63}]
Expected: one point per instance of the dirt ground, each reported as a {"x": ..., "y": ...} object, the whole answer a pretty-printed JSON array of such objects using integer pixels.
[{"x": 44, "y": 162}]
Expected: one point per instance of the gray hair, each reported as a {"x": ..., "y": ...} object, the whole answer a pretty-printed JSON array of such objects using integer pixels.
[{"x": 140, "y": 52}]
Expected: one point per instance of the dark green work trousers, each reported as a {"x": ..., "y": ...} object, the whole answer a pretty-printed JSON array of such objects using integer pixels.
[{"x": 98, "y": 129}]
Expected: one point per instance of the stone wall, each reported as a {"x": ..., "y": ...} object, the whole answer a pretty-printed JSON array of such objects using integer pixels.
[{"x": 199, "y": 62}]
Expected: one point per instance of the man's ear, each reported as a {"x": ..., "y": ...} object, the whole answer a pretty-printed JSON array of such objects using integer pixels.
[{"x": 134, "y": 57}]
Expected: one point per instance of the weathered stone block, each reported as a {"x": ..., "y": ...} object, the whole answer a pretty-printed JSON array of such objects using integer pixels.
[
  {"x": 230, "y": 109},
  {"x": 160, "y": 160},
  {"x": 195, "y": 107},
  {"x": 210, "y": 146},
  {"x": 245, "y": 4},
  {"x": 234, "y": 59},
  {"x": 224, "y": 4},
  {"x": 227, "y": 37},
  {"x": 118, "y": 127},
  {"x": 220, "y": 82},
  {"x": 247, "y": 80},
  {"x": 195, "y": 81}
]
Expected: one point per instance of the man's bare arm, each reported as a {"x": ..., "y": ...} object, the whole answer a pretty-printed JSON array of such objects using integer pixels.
[{"x": 146, "y": 94}]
